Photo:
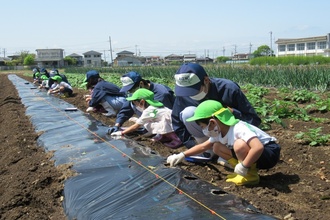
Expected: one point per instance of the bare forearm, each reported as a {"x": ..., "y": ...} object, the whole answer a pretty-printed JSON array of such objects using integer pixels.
[
  {"x": 197, "y": 149},
  {"x": 131, "y": 128}
]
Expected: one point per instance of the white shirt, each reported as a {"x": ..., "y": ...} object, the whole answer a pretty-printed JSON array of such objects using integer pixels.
[
  {"x": 242, "y": 130},
  {"x": 56, "y": 85},
  {"x": 156, "y": 120}
]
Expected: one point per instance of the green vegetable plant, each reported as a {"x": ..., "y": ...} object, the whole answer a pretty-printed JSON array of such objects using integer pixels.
[{"x": 313, "y": 137}]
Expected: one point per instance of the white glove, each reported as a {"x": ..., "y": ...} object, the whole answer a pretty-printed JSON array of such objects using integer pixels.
[
  {"x": 175, "y": 159},
  {"x": 117, "y": 133},
  {"x": 239, "y": 169}
]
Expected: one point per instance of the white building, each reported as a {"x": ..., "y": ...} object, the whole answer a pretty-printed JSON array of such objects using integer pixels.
[
  {"x": 308, "y": 46},
  {"x": 92, "y": 59},
  {"x": 50, "y": 58}
]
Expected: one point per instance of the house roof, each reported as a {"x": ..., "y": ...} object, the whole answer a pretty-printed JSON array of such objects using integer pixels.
[
  {"x": 297, "y": 40},
  {"x": 173, "y": 55},
  {"x": 92, "y": 52},
  {"x": 125, "y": 52},
  {"x": 51, "y": 49},
  {"x": 74, "y": 55}
]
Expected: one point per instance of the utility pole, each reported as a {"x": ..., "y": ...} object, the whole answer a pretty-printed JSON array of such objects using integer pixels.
[
  {"x": 271, "y": 47},
  {"x": 136, "y": 50},
  {"x": 110, "y": 51},
  {"x": 223, "y": 51},
  {"x": 105, "y": 58},
  {"x": 250, "y": 47}
]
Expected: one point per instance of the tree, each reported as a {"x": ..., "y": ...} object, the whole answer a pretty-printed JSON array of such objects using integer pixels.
[
  {"x": 23, "y": 55},
  {"x": 29, "y": 60},
  {"x": 70, "y": 60},
  {"x": 222, "y": 59},
  {"x": 263, "y": 50}
]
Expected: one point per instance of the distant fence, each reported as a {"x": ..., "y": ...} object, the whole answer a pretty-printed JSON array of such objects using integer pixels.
[{"x": 14, "y": 67}]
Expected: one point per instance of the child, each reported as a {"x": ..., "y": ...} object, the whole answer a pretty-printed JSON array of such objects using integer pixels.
[
  {"x": 156, "y": 118},
  {"x": 36, "y": 75},
  {"x": 44, "y": 82},
  {"x": 103, "y": 93},
  {"x": 60, "y": 87},
  {"x": 244, "y": 146}
]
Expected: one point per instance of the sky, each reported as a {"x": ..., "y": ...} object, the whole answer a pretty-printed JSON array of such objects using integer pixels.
[{"x": 209, "y": 28}]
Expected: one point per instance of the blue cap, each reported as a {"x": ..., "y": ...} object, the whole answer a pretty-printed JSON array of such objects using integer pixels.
[
  {"x": 128, "y": 80},
  {"x": 92, "y": 73},
  {"x": 53, "y": 72},
  {"x": 189, "y": 79}
]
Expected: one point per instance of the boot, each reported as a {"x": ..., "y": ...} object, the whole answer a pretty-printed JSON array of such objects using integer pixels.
[
  {"x": 251, "y": 178},
  {"x": 175, "y": 141},
  {"x": 232, "y": 162},
  {"x": 111, "y": 112},
  {"x": 162, "y": 138}
]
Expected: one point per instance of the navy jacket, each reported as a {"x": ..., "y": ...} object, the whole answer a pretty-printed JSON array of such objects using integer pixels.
[
  {"x": 104, "y": 88},
  {"x": 161, "y": 92},
  {"x": 223, "y": 90}
]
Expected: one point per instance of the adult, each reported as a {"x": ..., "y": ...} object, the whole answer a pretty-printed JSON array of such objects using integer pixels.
[
  {"x": 192, "y": 87},
  {"x": 132, "y": 81}
]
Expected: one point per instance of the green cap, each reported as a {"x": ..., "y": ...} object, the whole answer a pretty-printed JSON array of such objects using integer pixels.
[
  {"x": 44, "y": 77},
  {"x": 57, "y": 78},
  {"x": 210, "y": 108},
  {"x": 147, "y": 95}
]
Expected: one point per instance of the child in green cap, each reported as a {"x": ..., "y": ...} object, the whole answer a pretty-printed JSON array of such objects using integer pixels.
[
  {"x": 245, "y": 147},
  {"x": 44, "y": 82},
  {"x": 156, "y": 118},
  {"x": 60, "y": 87}
]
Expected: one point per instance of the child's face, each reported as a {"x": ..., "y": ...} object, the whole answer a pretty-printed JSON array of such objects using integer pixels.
[
  {"x": 211, "y": 124},
  {"x": 202, "y": 125},
  {"x": 139, "y": 103}
]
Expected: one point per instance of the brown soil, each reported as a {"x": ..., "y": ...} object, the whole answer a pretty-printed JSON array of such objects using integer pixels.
[{"x": 31, "y": 186}]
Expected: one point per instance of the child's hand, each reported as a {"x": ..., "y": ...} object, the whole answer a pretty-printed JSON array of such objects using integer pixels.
[
  {"x": 117, "y": 133},
  {"x": 175, "y": 159},
  {"x": 240, "y": 169}
]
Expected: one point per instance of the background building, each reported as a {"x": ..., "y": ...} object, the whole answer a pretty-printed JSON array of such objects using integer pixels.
[
  {"x": 50, "y": 58},
  {"x": 92, "y": 59},
  {"x": 308, "y": 46}
]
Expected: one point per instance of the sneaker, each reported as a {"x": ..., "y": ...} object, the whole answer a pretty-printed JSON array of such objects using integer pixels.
[
  {"x": 109, "y": 114},
  {"x": 90, "y": 109}
]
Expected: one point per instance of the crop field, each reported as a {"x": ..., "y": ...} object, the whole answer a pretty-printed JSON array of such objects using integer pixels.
[{"x": 292, "y": 101}]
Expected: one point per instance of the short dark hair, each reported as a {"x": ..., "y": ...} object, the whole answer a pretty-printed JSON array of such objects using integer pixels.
[{"x": 203, "y": 120}]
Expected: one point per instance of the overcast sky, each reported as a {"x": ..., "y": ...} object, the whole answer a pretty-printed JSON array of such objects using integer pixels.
[{"x": 157, "y": 27}]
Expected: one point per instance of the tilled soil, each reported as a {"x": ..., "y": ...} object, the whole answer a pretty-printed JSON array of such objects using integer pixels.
[{"x": 298, "y": 187}]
